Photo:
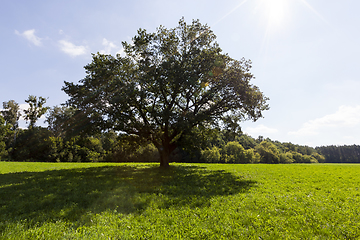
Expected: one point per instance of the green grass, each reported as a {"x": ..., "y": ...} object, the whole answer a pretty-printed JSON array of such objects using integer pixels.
[{"x": 189, "y": 201}]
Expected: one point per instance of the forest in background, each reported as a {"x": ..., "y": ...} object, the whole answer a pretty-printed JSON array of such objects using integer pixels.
[{"x": 66, "y": 140}]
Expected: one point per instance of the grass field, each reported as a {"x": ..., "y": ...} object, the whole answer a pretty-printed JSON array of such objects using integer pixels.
[{"x": 189, "y": 201}]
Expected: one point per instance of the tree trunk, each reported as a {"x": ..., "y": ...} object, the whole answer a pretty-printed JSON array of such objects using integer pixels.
[
  {"x": 164, "y": 158},
  {"x": 165, "y": 149}
]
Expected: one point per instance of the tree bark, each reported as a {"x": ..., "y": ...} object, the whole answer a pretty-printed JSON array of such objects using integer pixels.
[
  {"x": 165, "y": 151},
  {"x": 165, "y": 148},
  {"x": 164, "y": 158}
]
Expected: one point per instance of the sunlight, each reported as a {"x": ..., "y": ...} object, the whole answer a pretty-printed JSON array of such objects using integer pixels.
[
  {"x": 275, "y": 12},
  {"x": 275, "y": 15},
  {"x": 229, "y": 13},
  {"x": 313, "y": 10}
]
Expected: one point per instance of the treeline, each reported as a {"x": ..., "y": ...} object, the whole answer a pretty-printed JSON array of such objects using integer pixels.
[
  {"x": 41, "y": 144},
  {"x": 340, "y": 154},
  {"x": 245, "y": 149},
  {"x": 70, "y": 138}
]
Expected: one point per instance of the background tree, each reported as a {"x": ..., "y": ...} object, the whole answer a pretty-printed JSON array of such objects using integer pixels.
[
  {"x": 246, "y": 141},
  {"x": 286, "y": 157},
  {"x": 65, "y": 122},
  {"x": 268, "y": 152},
  {"x": 4, "y": 132},
  {"x": 31, "y": 145},
  {"x": 11, "y": 113},
  {"x": 36, "y": 109},
  {"x": 339, "y": 154},
  {"x": 211, "y": 155},
  {"x": 168, "y": 83},
  {"x": 234, "y": 153}
]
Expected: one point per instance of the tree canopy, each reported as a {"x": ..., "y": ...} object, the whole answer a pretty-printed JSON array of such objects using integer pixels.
[
  {"x": 167, "y": 83},
  {"x": 36, "y": 109},
  {"x": 11, "y": 113}
]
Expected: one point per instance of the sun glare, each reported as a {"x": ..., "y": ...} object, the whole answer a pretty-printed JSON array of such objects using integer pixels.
[
  {"x": 275, "y": 12},
  {"x": 276, "y": 17}
]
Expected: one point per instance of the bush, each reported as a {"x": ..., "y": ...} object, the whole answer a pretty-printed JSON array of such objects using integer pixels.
[
  {"x": 268, "y": 152},
  {"x": 147, "y": 153},
  {"x": 256, "y": 158},
  {"x": 234, "y": 153},
  {"x": 31, "y": 145},
  {"x": 211, "y": 155},
  {"x": 250, "y": 156},
  {"x": 286, "y": 157},
  {"x": 54, "y": 149},
  {"x": 319, "y": 158}
]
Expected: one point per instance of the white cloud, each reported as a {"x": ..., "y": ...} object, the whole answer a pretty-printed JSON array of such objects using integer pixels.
[
  {"x": 71, "y": 49},
  {"x": 121, "y": 52},
  {"x": 30, "y": 36},
  {"x": 260, "y": 130},
  {"x": 22, "y": 107},
  {"x": 345, "y": 116},
  {"x": 109, "y": 47}
]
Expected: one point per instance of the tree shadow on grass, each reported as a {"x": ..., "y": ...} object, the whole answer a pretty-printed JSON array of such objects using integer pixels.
[{"x": 70, "y": 194}]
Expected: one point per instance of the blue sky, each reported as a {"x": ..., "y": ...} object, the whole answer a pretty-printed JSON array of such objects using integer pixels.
[{"x": 305, "y": 54}]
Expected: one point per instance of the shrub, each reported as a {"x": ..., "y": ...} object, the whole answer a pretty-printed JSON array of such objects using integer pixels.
[
  {"x": 249, "y": 156},
  {"x": 286, "y": 157},
  {"x": 211, "y": 155},
  {"x": 147, "y": 153},
  {"x": 234, "y": 153},
  {"x": 268, "y": 152}
]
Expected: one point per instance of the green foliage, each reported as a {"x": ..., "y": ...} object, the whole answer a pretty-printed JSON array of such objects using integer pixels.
[
  {"x": 55, "y": 146},
  {"x": 201, "y": 145},
  {"x": 189, "y": 201},
  {"x": 299, "y": 158},
  {"x": 339, "y": 154},
  {"x": 4, "y": 133},
  {"x": 268, "y": 152},
  {"x": 256, "y": 158},
  {"x": 251, "y": 156},
  {"x": 62, "y": 121},
  {"x": 211, "y": 155},
  {"x": 319, "y": 158},
  {"x": 246, "y": 141},
  {"x": 11, "y": 113},
  {"x": 31, "y": 146},
  {"x": 36, "y": 109},
  {"x": 168, "y": 83},
  {"x": 234, "y": 153},
  {"x": 147, "y": 153},
  {"x": 38, "y": 144},
  {"x": 286, "y": 157}
]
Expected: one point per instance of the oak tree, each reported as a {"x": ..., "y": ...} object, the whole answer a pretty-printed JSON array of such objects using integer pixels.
[{"x": 165, "y": 84}]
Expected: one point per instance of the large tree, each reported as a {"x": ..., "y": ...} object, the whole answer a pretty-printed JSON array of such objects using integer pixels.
[{"x": 167, "y": 83}]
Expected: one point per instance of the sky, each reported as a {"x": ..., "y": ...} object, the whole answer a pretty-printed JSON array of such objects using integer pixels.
[{"x": 305, "y": 54}]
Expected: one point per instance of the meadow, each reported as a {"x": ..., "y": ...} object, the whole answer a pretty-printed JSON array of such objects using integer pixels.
[{"x": 187, "y": 201}]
